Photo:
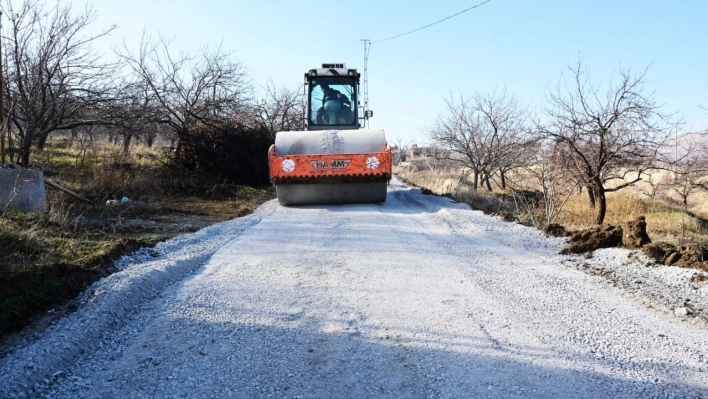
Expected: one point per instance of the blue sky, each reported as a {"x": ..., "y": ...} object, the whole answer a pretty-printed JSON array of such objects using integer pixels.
[{"x": 523, "y": 46}]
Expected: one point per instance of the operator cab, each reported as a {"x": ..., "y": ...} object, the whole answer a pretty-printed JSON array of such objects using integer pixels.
[{"x": 332, "y": 97}]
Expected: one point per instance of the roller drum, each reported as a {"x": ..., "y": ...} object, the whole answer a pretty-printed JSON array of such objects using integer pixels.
[
  {"x": 330, "y": 142},
  {"x": 331, "y": 193}
]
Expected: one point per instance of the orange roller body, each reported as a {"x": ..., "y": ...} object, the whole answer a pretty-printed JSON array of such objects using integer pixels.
[{"x": 323, "y": 166}]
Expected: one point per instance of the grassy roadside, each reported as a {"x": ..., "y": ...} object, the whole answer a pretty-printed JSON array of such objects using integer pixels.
[
  {"x": 47, "y": 259},
  {"x": 665, "y": 221}
]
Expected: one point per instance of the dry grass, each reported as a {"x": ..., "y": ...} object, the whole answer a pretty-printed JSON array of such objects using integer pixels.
[
  {"x": 103, "y": 171},
  {"x": 697, "y": 201},
  {"x": 448, "y": 182},
  {"x": 46, "y": 259},
  {"x": 665, "y": 220}
]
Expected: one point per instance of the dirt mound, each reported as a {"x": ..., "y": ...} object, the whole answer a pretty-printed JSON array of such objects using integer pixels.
[
  {"x": 662, "y": 252},
  {"x": 595, "y": 238},
  {"x": 692, "y": 256},
  {"x": 557, "y": 230},
  {"x": 635, "y": 234}
]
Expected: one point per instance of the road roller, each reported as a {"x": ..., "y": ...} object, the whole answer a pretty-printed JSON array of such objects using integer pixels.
[{"x": 334, "y": 160}]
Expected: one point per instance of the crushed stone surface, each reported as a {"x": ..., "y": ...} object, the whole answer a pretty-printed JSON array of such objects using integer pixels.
[{"x": 419, "y": 297}]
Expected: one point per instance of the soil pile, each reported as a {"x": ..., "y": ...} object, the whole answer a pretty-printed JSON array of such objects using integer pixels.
[
  {"x": 556, "y": 230},
  {"x": 595, "y": 238},
  {"x": 692, "y": 256},
  {"x": 633, "y": 235}
]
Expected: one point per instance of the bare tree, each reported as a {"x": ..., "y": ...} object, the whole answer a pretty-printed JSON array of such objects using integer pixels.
[
  {"x": 515, "y": 151},
  {"x": 689, "y": 173},
  {"x": 191, "y": 92},
  {"x": 135, "y": 113},
  {"x": 436, "y": 157},
  {"x": 653, "y": 185},
  {"x": 280, "y": 109},
  {"x": 545, "y": 176},
  {"x": 83, "y": 137},
  {"x": 482, "y": 133},
  {"x": 399, "y": 147},
  {"x": 55, "y": 80},
  {"x": 605, "y": 137},
  {"x": 152, "y": 132}
]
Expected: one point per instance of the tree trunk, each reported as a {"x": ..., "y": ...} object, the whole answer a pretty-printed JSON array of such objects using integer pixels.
[
  {"x": 599, "y": 193},
  {"x": 476, "y": 179},
  {"x": 74, "y": 135},
  {"x": 25, "y": 150},
  {"x": 486, "y": 182},
  {"x": 41, "y": 141},
  {"x": 591, "y": 196},
  {"x": 126, "y": 142},
  {"x": 503, "y": 179},
  {"x": 25, "y": 157},
  {"x": 11, "y": 147}
]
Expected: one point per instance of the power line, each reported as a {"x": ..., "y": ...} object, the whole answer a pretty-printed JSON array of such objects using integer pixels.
[{"x": 434, "y": 23}]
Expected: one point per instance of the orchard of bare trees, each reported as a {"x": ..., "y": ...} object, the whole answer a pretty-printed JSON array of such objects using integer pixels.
[
  {"x": 486, "y": 134},
  {"x": 204, "y": 104},
  {"x": 589, "y": 137}
]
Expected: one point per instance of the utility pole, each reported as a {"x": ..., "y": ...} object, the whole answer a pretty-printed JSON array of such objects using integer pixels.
[
  {"x": 367, "y": 45},
  {"x": 676, "y": 124},
  {"x": 676, "y": 143},
  {"x": 2, "y": 103},
  {"x": 676, "y": 165}
]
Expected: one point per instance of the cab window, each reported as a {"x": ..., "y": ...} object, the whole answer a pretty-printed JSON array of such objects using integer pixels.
[{"x": 332, "y": 101}]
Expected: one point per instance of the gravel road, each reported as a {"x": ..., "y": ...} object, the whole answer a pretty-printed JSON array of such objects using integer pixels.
[{"x": 419, "y": 297}]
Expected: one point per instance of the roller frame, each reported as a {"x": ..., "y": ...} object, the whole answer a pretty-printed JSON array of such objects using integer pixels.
[{"x": 323, "y": 179}]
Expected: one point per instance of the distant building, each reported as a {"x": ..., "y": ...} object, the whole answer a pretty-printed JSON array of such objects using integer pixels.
[{"x": 415, "y": 153}]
